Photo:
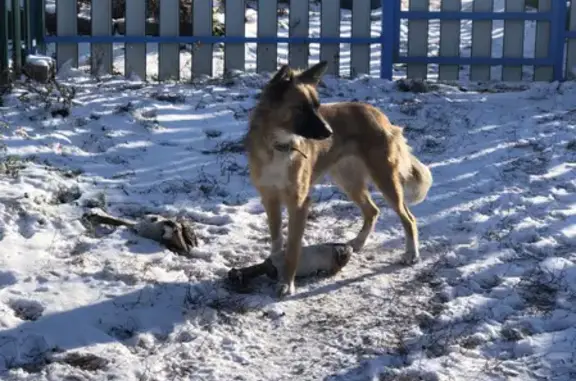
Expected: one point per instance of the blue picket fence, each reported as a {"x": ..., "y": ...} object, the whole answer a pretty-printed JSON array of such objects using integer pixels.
[{"x": 555, "y": 40}]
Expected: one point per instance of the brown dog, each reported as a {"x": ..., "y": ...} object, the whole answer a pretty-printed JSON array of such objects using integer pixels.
[{"x": 293, "y": 140}]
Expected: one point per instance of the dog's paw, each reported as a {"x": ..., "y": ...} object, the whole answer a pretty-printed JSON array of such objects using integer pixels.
[
  {"x": 285, "y": 289},
  {"x": 411, "y": 258},
  {"x": 356, "y": 245}
]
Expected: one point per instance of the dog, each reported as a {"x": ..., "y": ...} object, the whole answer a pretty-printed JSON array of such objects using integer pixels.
[{"x": 293, "y": 140}]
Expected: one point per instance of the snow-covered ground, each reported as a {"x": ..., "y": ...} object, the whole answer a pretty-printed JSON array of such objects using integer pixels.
[
  {"x": 345, "y": 31},
  {"x": 493, "y": 299}
]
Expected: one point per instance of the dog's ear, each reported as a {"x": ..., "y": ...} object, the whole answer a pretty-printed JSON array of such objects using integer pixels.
[
  {"x": 284, "y": 74},
  {"x": 313, "y": 74},
  {"x": 278, "y": 85}
]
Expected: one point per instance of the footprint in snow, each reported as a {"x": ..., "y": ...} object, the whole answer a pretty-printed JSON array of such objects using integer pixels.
[
  {"x": 7, "y": 278},
  {"x": 28, "y": 224},
  {"x": 26, "y": 309}
]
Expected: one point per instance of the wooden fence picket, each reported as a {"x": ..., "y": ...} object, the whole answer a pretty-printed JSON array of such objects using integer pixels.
[
  {"x": 135, "y": 61},
  {"x": 417, "y": 40},
  {"x": 361, "y": 27},
  {"x": 101, "y": 57},
  {"x": 571, "y": 48},
  {"x": 202, "y": 54},
  {"x": 299, "y": 27},
  {"x": 513, "y": 41},
  {"x": 330, "y": 27},
  {"x": 235, "y": 54},
  {"x": 169, "y": 52},
  {"x": 481, "y": 41},
  {"x": 267, "y": 54},
  {"x": 542, "y": 48},
  {"x": 450, "y": 41},
  {"x": 66, "y": 10}
]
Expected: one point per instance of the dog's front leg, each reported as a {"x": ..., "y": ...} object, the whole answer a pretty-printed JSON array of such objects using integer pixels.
[
  {"x": 298, "y": 206},
  {"x": 273, "y": 208}
]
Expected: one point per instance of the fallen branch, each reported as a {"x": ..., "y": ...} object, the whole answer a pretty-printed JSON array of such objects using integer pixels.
[{"x": 177, "y": 235}]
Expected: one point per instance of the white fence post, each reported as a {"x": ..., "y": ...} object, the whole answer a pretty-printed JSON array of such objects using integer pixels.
[
  {"x": 169, "y": 53},
  {"x": 135, "y": 61},
  {"x": 267, "y": 54},
  {"x": 418, "y": 40},
  {"x": 361, "y": 27},
  {"x": 67, "y": 25},
  {"x": 101, "y": 58},
  {"x": 542, "y": 49},
  {"x": 202, "y": 54},
  {"x": 299, "y": 13},
  {"x": 481, "y": 41},
  {"x": 513, "y": 41},
  {"x": 235, "y": 54},
  {"x": 571, "y": 49},
  {"x": 450, "y": 41},
  {"x": 330, "y": 27}
]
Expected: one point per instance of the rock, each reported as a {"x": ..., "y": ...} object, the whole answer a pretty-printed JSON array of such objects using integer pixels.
[
  {"x": 40, "y": 68},
  {"x": 414, "y": 85}
]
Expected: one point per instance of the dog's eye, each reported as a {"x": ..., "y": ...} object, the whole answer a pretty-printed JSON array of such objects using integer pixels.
[{"x": 307, "y": 107}]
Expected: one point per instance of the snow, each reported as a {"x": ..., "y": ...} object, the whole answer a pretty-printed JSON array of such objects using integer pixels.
[
  {"x": 493, "y": 298},
  {"x": 39, "y": 60}
]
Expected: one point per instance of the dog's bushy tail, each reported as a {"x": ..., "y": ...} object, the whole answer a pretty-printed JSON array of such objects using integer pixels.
[{"x": 417, "y": 181}]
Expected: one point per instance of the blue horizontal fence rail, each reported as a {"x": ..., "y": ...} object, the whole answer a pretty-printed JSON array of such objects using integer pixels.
[
  {"x": 475, "y": 16},
  {"x": 389, "y": 38},
  {"x": 212, "y": 39}
]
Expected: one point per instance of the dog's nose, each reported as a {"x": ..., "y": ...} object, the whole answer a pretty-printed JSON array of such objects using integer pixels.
[{"x": 328, "y": 130}]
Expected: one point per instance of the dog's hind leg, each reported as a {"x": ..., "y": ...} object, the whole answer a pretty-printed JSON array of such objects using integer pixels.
[
  {"x": 351, "y": 176},
  {"x": 387, "y": 178}
]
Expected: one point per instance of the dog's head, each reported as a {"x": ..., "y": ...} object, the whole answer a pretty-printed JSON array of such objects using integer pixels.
[{"x": 292, "y": 103}]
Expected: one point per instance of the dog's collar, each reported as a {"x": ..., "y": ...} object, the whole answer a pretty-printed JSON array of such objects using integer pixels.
[{"x": 287, "y": 148}]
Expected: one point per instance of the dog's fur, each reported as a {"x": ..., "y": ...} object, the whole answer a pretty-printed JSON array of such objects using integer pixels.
[{"x": 293, "y": 140}]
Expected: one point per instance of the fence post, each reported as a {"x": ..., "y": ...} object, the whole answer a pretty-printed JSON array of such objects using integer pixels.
[
  {"x": 418, "y": 40},
  {"x": 27, "y": 28},
  {"x": 16, "y": 37},
  {"x": 397, "y": 6},
  {"x": 39, "y": 25},
  {"x": 135, "y": 57},
  {"x": 267, "y": 54},
  {"x": 571, "y": 48},
  {"x": 4, "y": 68},
  {"x": 388, "y": 31},
  {"x": 66, "y": 10},
  {"x": 330, "y": 27},
  {"x": 558, "y": 37}
]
